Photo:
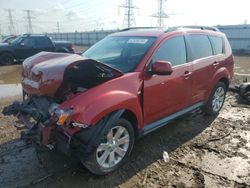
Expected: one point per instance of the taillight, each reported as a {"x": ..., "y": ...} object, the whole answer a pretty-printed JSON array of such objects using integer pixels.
[{"x": 72, "y": 46}]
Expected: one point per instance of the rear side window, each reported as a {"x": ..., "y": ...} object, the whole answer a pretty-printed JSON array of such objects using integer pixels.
[
  {"x": 200, "y": 46},
  {"x": 173, "y": 50},
  {"x": 43, "y": 42},
  {"x": 217, "y": 43}
]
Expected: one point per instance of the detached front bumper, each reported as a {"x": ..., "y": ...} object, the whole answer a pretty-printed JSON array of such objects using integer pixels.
[{"x": 42, "y": 129}]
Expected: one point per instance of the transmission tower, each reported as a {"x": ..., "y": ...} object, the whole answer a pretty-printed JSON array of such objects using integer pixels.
[
  {"x": 160, "y": 15},
  {"x": 58, "y": 27},
  {"x": 29, "y": 18},
  {"x": 12, "y": 29},
  {"x": 129, "y": 17}
]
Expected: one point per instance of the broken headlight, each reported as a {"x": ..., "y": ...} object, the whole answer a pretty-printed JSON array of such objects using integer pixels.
[{"x": 63, "y": 116}]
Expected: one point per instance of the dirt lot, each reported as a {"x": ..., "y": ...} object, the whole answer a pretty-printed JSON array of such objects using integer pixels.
[{"x": 204, "y": 152}]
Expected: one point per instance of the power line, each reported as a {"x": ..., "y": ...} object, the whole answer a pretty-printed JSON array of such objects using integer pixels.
[
  {"x": 12, "y": 29},
  {"x": 161, "y": 15},
  {"x": 129, "y": 18},
  {"x": 58, "y": 27},
  {"x": 29, "y": 20}
]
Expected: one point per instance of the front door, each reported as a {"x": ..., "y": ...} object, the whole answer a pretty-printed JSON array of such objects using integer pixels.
[
  {"x": 26, "y": 48},
  {"x": 165, "y": 95}
]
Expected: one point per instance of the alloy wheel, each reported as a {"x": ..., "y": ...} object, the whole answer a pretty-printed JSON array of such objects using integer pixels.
[
  {"x": 111, "y": 152},
  {"x": 218, "y": 99}
]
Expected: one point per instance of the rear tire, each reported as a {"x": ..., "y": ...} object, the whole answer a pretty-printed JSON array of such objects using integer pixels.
[
  {"x": 113, "y": 151},
  {"x": 7, "y": 59},
  {"x": 216, "y": 99}
]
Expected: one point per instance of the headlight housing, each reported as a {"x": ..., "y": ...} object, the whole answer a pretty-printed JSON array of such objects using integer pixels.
[{"x": 63, "y": 116}]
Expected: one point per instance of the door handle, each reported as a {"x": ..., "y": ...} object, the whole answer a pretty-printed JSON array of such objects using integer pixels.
[
  {"x": 187, "y": 74},
  {"x": 215, "y": 64}
]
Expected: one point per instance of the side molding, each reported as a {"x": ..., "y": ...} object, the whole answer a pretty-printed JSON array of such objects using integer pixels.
[{"x": 162, "y": 122}]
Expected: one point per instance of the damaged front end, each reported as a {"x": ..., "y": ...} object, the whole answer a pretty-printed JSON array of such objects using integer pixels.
[
  {"x": 49, "y": 80},
  {"x": 34, "y": 119}
]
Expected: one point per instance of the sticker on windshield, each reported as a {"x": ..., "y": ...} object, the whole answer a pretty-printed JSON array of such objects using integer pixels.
[{"x": 137, "y": 41}]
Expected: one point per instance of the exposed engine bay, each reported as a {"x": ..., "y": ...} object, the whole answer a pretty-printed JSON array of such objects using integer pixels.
[
  {"x": 57, "y": 75},
  {"x": 49, "y": 79}
]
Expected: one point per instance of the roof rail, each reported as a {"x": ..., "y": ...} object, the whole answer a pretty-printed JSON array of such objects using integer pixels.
[
  {"x": 134, "y": 28},
  {"x": 33, "y": 34},
  {"x": 193, "y": 27}
]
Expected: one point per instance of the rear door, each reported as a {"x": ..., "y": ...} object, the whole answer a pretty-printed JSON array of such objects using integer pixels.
[
  {"x": 165, "y": 95},
  {"x": 43, "y": 43},
  {"x": 204, "y": 64}
]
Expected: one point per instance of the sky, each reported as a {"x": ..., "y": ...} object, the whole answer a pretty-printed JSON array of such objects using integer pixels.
[{"x": 87, "y": 15}]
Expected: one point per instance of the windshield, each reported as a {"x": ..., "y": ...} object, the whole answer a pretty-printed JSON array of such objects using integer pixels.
[{"x": 119, "y": 52}]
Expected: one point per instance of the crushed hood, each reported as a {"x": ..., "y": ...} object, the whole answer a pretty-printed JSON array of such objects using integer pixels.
[{"x": 44, "y": 73}]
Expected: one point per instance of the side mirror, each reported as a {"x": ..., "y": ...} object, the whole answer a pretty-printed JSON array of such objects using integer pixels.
[{"x": 162, "y": 68}]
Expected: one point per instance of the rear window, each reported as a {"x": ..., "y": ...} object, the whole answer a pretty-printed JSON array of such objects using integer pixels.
[
  {"x": 200, "y": 46},
  {"x": 217, "y": 43}
]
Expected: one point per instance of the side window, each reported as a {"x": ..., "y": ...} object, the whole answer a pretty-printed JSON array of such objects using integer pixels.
[
  {"x": 43, "y": 42},
  {"x": 173, "y": 50},
  {"x": 29, "y": 42},
  {"x": 217, "y": 43},
  {"x": 200, "y": 46}
]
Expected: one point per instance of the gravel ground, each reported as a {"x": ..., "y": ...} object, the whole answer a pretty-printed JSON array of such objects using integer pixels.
[{"x": 203, "y": 152}]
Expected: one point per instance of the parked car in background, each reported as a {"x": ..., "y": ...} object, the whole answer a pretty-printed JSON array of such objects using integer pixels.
[
  {"x": 9, "y": 39},
  {"x": 30, "y": 44},
  {"x": 127, "y": 85}
]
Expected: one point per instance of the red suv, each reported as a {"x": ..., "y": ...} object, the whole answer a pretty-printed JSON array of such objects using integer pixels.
[{"x": 130, "y": 83}]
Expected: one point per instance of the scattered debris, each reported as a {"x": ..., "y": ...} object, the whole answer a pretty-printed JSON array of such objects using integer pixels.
[
  {"x": 145, "y": 178},
  {"x": 165, "y": 156},
  {"x": 244, "y": 92},
  {"x": 34, "y": 182},
  {"x": 244, "y": 96},
  {"x": 219, "y": 138}
]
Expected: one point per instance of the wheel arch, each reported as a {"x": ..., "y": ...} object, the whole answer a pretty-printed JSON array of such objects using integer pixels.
[
  {"x": 225, "y": 81},
  {"x": 8, "y": 52},
  {"x": 221, "y": 75},
  {"x": 131, "y": 117},
  {"x": 126, "y": 114}
]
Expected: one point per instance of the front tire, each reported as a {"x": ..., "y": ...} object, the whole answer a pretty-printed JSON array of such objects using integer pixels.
[
  {"x": 113, "y": 150},
  {"x": 7, "y": 59},
  {"x": 216, "y": 99}
]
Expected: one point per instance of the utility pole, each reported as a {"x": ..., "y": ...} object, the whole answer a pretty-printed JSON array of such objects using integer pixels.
[
  {"x": 11, "y": 23},
  {"x": 29, "y": 18},
  {"x": 129, "y": 18},
  {"x": 58, "y": 27},
  {"x": 160, "y": 15}
]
